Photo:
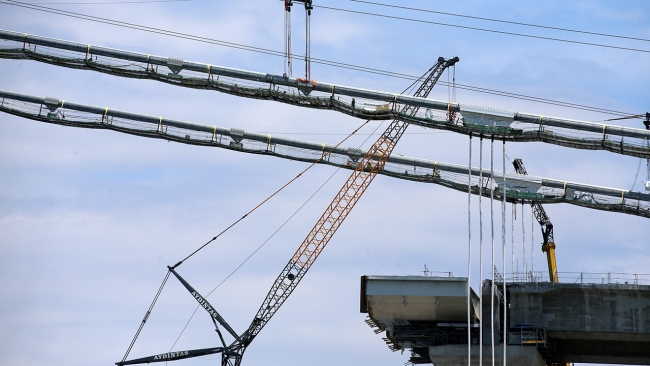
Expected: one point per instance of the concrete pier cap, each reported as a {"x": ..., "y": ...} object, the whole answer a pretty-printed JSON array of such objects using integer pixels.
[
  {"x": 546, "y": 323},
  {"x": 398, "y": 299}
]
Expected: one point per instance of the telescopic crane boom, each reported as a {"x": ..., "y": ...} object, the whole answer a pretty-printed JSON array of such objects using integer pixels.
[{"x": 548, "y": 246}]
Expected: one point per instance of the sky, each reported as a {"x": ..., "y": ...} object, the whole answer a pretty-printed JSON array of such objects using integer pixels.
[{"x": 90, "y": 219}]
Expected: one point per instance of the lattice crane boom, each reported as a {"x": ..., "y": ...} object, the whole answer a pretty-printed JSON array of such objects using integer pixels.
[
  {"x": 548, "y": 246},
  {"x": 366, "y": 170}
]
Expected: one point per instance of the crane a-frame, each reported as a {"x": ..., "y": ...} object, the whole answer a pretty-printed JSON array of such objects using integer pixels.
[
  {"x": 365, "y": 171},
  {"x": 548, "y": 246}
]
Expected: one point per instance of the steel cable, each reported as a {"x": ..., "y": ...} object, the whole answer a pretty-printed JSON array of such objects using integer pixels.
[
  {"x": 266, "y": 241},
  {"x": 469, "y": 256},
  {"x": 480, "y": 256},
  {"x": 146, "y": 316},
  {"x": 532, "y": 240},
  {"x": 492, "y": 233},
  {"x": 312, "y": 59},
  {"x": 272, "y": 195},
  {"x": 484, "y": 29},
  {"x": 503, "y": 250},
  {"x": 524, "y": 265},
  {"x": 503, "y": 21}
]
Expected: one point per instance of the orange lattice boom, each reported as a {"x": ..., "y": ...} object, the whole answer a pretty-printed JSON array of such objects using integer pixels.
[{"x": 365, "y": 171}]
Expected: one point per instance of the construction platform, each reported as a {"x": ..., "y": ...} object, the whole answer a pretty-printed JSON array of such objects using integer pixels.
[{"x": 546, "y": 322}]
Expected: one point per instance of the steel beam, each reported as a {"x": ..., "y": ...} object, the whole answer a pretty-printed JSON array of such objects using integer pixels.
[
  {"x": 333, "y": 89},
  {"x": 353, "y": 153}
]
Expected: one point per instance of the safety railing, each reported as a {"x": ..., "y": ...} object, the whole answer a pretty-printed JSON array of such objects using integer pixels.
[
  {"x": 527, "y": 336},
  {"x": 603, "y": 278}
]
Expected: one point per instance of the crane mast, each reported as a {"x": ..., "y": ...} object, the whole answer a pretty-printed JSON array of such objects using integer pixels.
[{"x": 548, "y": 246}]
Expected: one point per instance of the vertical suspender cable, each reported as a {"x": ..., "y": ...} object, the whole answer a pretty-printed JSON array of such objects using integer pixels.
[
  {"x": 285, "y": 41},
  {"x": 308, "y": 41},
  {"x": 287, "y": 38},
  {"x": 503, "y": 249},
  {"x": 492, "y": 232},
  {"x": 469, "y": 260},
  {"x": 524, "y": 266},
  {"x": 448, "y": 87},
  {"x": 532, "y": 240},
  {"x": 513, "y": 207},
  {"x": 480, "y": 253}
]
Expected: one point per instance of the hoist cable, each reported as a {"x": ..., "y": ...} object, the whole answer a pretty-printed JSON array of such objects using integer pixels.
[
  {"x": 146, "y": 316},
  {"x": 503, "y": 250},
  {"x": 253, "y": 253},
  {"x": 492, "y": 232},
  {"x": 312, "y": 59},
  {"x": 480, "y": 253},
  {"x": 469, "y": 251},
  {"x": 524, "y": 265},
  {"x": 274, "y": 193},
  {"x": 325, "y": 154},
  {"x": 638, "y": 169},
  {"x": 512, "y": 235},
  {"x": 269, "y": 238},
  {"x": 532, "y": 240}
]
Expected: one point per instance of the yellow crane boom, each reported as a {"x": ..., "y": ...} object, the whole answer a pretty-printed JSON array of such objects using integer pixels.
[{"x": 548, "y": 246}]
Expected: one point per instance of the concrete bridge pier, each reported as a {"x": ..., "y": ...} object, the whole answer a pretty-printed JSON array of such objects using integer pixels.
[{"x": 456, "y": 355}]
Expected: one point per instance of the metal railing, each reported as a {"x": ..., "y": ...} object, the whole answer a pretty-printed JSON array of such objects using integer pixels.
[
  {"x": 582, "y": 277},
  {"x": 527, "y": 336}
]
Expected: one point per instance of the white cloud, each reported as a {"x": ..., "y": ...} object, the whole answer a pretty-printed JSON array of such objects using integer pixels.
[{"x": 86, "y": 237}]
